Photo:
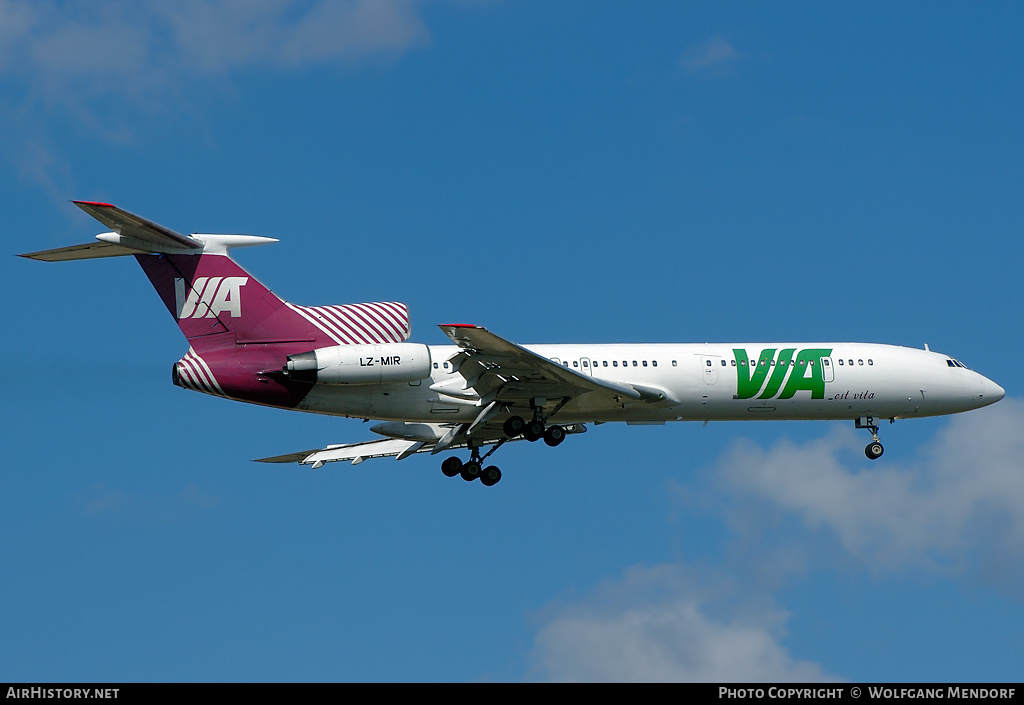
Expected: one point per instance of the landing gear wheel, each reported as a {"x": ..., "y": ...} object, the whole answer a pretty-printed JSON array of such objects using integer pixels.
[
  {"x": 490, "y": 476},
  {"x": 451, "y": 466},
  {"x": 874, "y": 449},
  {"x": 534, "y": 430},
  {"x": 513, "y": 426},
  {"x": 470, "y": 471},
  {"x": 554, "y": 435}
]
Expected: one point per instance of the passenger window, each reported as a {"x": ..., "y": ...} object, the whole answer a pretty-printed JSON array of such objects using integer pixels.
[
  {"x": 654, "y": 363},
  {"x": 824, "y": 361},
  {"x": 634, "y": 363},
  {"x": 575, "y": 363},
  {"x": 565, "y": 364},
  {"x": 743, "y": 362},
  {"x": 446, "y": 365},
  {"x": 870, "y": 361},
  {"x": 803, "y": 362},
  {"x": 615, "y": 363},
  {"x": 675, "y": 363},
  {"x": 860, "y": 362},
  {"x": 435, "y": 365},
  {"x": 585, "y": 364},
  {"x": 604, "y": 363},
  {"x": 734, "y": 363},
  {"x": 723, "y": 363},
  {"x": 645, "y": 363},
  {"x": 851, "y": 363},
  {"x": 762, "y": 363},
  {"x": 709, "y": 363},
  {"x": 840, "y": 362}
]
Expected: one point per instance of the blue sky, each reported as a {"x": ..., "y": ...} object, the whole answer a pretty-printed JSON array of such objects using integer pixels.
[{"x": 558, "y": 172}]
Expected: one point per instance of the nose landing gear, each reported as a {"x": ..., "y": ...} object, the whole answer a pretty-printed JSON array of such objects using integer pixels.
[{"x": 874, "y": 449}]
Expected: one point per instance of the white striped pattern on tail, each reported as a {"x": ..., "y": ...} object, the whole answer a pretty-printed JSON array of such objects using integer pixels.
[
  {"x": 195, "y": 374},
  {"x": 355, "y": 324}
]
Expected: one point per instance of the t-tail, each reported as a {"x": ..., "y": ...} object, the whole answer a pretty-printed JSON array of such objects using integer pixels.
[{"x": 240, "y": 333}]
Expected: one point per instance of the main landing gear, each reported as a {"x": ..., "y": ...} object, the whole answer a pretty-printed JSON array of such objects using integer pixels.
[
  {"x": 534, "y": 430},
  {"x": 473, "y": 469},
  {"x": 514, "y": 426},
  {"x": 874, "y": 449}
]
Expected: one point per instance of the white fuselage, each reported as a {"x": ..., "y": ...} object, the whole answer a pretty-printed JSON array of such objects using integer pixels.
[{"x": 712, "y": 381}]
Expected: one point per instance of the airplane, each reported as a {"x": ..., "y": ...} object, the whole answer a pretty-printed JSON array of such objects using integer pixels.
[{"x": 355, "y": 360}]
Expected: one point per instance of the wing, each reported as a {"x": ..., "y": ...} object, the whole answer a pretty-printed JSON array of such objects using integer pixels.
[
  {"x": 508, "y": 374},
  {"x": 421, "y": 438},
  {"x": 355, "y": 452},
  {"x": 499, "y": 376}
]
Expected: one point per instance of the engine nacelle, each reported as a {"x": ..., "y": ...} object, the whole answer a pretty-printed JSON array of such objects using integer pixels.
[{"x": 361, "y": 364}]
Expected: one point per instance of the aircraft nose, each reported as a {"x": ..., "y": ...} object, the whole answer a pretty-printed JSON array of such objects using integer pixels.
[
  {"x": 990, "y": 391},
  {"x": 997, "y": 391}
]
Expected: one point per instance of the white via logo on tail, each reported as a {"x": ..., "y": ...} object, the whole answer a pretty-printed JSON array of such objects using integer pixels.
[{"x": 209, "y": 297}]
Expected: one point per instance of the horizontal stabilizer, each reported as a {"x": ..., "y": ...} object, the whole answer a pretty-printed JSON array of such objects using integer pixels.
[
  {"x": 132, "y": 234},
  {"x": 129, "y": 225},
  {"x": 90, "y": 250}
]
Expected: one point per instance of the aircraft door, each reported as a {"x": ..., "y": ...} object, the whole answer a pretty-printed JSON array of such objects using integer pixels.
[
  {"x": 709, "y": 369},
  {"x": 828, "y": 373},
  {"x": 587, "y": 366}
]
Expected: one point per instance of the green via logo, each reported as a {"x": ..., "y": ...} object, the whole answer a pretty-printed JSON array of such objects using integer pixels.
[{"x": 803, "y": 372}]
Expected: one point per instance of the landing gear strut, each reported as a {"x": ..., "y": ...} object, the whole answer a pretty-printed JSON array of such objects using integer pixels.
[
  {"x": 874, "y": 449},
  {"x": 514, "y": 426}
]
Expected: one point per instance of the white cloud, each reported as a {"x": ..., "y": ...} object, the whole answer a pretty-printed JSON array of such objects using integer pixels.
[
  {"x": 959, "y": 504},
  {"x": 957, "y": 508},
  {"x": 710, "y": 55},
  {"x": 74, "y": 39},
  {"x": 219, "y": 36},
  {"x": 662, "y": 624},
  {"x": 102, "y": 65}
]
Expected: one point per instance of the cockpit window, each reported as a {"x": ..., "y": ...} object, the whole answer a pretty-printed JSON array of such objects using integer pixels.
[{"x": 956, "y": 363}]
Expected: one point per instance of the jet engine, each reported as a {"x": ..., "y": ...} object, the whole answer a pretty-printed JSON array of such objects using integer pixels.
[{"x": 360, "y": 364}]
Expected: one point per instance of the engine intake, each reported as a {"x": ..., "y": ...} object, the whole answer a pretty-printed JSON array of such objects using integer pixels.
[{"x": 360, "y": 364}]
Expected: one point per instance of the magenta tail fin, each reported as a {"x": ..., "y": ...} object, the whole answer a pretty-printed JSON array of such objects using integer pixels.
[{"x": 210, "y": 295}]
